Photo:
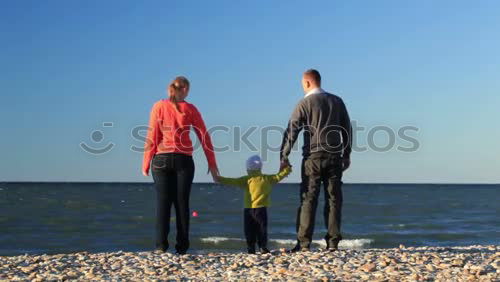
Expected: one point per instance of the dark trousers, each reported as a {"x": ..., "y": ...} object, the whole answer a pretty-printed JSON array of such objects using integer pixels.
[
  {"x": 316, "y": 169},
  {"x": 256, "y": 227},
  {"x": 173, "y": 175}
]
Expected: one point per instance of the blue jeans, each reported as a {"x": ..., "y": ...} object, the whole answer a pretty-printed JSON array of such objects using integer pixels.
[{"x": 173, "y": 176}]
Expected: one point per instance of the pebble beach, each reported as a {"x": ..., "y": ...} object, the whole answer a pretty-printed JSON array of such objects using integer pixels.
[{"x": 470, "y": 263}]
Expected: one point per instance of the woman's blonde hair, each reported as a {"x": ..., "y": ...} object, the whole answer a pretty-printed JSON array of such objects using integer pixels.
[{"x": 174, "y": 87}]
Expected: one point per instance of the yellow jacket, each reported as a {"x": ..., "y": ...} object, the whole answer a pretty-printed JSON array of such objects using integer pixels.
[{"x": 257, "y": 186}]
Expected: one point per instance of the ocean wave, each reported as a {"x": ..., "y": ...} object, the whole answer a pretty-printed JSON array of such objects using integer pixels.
[
  {"x": 396, "y": 225},
  {"x": 217, "y": 240},
  {"x": 344, "y": 244}
]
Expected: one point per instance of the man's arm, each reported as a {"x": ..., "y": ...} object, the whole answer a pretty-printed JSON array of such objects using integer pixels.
[
  {"x": 345, "y": 122},
  {"x": 295, "y": 125}
]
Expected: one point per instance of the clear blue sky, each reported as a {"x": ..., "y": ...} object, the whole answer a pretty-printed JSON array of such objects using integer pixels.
[{"x": 68, "y": 66}]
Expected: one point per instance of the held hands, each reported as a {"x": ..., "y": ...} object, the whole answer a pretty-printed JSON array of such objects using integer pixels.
[
  {"x": 145, "y": 172},
  {"x": 284, "y": 164}
]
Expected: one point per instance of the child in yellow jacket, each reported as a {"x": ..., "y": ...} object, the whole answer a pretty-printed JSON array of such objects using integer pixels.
[{"x": 257, "y": 188}]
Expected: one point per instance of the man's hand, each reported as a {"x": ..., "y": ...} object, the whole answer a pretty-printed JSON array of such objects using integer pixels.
[
  {"x": 283, "y": 164},
  {"x": 145, "y": 172},
  {"x": 346, "y": 162}
]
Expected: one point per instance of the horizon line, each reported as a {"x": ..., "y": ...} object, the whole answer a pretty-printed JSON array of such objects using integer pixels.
[{"x": 355, "y": 183}]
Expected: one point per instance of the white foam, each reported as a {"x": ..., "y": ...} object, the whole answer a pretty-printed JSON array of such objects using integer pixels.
[
  {"x": 355, "y": 243},
  {"x": 344, "y": 244},
  {"x": 284, "y": 241},
  {"x": 217, "y": 240},
  {"x": 397, "y": 225}
]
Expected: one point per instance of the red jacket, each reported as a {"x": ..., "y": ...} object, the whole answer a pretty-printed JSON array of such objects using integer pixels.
[{"x": 169, "y": 132}]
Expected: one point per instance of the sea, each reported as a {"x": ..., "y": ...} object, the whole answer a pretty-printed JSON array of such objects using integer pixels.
[{"x": 61, "y": 217}]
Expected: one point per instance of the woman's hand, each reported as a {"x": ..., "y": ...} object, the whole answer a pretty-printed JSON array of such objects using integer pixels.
[
  {"x": 215, "y": 173},
  {"x": 145, "y": 172}
]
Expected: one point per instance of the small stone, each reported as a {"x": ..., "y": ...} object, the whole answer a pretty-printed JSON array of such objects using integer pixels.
[
  {"x": 415, "y": 277},
  {"x": 476, "y": 269},
  {"x": 430, "y": 267},
  {"x": 390, "y": 270},
  {"x": 27, "y": 269},
  {"x": 281, "y": 271},
  {"x": 116, "y": 266},
  {"x": 444, "y": 265},
  {"x": 364, "y": 277},
  {"x": 457, "y": 262},
  {"x": 471, "y": 278},
  {"x": 369, "y": 267},
  {"x": 71, "y": 275}
]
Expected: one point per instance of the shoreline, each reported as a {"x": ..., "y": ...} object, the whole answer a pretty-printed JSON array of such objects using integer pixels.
[
  {"x": 465, "y": 263},
  {"x": 297, "y": 183}
]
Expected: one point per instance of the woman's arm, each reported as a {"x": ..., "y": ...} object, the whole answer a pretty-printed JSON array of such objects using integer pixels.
[
  {"x": 151, "y": 143},
  {"x": 205, "y": 140}
]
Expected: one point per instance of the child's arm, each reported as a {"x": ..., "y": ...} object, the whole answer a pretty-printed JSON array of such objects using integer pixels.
[
  {"x": 280, "y": 175},
  {"x": 239, "y": 182}
]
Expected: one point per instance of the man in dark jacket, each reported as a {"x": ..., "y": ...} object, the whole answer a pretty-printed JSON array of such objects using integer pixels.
[{"x": 326, "y": 154}]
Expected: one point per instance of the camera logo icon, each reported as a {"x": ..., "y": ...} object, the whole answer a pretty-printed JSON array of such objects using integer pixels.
[{"x": 97, "y": 136}]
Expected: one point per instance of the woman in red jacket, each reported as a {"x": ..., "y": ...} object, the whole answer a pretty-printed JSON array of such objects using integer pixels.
[{"x": 168, "y": 150}]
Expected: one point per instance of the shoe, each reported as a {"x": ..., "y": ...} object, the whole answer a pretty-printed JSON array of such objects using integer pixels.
[
  {"x": 264, "y": 250},
  {"x": 180, "y": 252},
  {"x": 161, "y": 248},
  {"x": 251, "y": 251},
  {"x": 332, "y": 247},
  {"x": 159, "y": 251},
  {"x": 297, "y": 249}
]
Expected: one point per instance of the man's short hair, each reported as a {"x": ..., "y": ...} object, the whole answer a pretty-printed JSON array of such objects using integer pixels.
[{"x": 313, "y": 75}]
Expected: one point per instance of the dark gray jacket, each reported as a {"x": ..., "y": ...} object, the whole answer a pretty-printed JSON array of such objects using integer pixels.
[{"x": 326, "y": 124}]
